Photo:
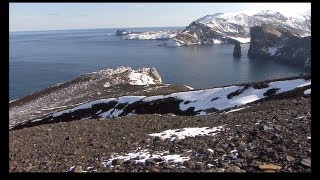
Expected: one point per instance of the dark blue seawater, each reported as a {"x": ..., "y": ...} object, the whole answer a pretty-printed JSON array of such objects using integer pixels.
[{"x": 41, "y": 59}]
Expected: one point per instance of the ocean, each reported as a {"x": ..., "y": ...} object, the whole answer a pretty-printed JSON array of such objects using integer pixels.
[{"x": 43, "y": 58}]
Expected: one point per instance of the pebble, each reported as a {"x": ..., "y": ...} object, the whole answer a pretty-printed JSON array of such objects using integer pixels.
[
  {"x": 265, "y": 167},
  {"x": 306, "y": 162}
]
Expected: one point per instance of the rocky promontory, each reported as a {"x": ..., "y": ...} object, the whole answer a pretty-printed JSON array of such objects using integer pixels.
[{"x": 279, "y": 44}]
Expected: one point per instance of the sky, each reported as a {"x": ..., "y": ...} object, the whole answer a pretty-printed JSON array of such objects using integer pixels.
[{"x": 60, "y": 16}]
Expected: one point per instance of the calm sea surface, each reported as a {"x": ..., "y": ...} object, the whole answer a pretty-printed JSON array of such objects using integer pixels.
[{"x": 41, "y": 59}]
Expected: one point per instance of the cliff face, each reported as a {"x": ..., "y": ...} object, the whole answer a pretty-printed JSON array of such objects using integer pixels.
[
  {"x": 263, "y": 37},
  {"x": 279, "y": 44},
  {"x": 296, "y": 51}
]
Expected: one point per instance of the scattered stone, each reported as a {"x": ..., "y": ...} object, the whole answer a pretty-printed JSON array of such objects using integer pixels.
[
  {"x": 218, "y": 170},
  {"x": 151, "y": 162},
  {"x": 189, "y": 164},
  {"x": 154, "y": 169},
  {"x": 129, "y": 162},
  {"x": 273, "y": 167},
  {"x": 234, "y": 169},
  {"x": 117, "y": 162},
  {"x": 77, "y": 169},
  {"x": 306, "y": 162},
  {"x": 290, "y": 158},
  {"x": 200, "y": 166},
  {"x": 156, "y": 139}
]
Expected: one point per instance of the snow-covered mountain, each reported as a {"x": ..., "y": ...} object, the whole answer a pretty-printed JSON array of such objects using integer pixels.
[
  {"x": 228, "y": 27},
  {"x": 164, "y": 34}
]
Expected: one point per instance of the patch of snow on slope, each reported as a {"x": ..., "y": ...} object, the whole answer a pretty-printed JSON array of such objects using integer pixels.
[
  {"x": 141, "y": 156},
  {"x": 216, "y": 41},
  {"x": 201, "y": 100},
  {"x": 234, "y": 110},
  {"x": 191, "y": 88},
  {"x": 307, "y": 92},
  {"x": 272, "y": 50},
  {"x": 136, "y": 78},
  {"x": 187, "y": 132},
  {"x": 241, "y": 40},
  {"x": 151, "y": 35}
]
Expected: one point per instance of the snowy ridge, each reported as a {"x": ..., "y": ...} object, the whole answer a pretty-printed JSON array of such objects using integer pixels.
[
  {"x": 198, "y": 102},
  {"x": 164, "y": 34}
]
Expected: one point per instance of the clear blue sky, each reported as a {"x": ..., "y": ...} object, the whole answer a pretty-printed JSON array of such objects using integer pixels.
[{"x": 54, "y": 16}]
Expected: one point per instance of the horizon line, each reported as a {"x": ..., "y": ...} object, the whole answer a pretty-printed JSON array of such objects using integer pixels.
[{"x": 97, "y": 28}]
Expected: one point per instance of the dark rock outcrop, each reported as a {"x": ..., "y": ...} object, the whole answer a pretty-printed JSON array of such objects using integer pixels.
[
  {"x": 279, "y": 44},
  {"x": 122, "y": 32},
  {"x": 198, "y": 33},
  {"x": 295, "y": 50},
  {"x": 263, "y": 37},
  {"x": 237, "y": 50}
]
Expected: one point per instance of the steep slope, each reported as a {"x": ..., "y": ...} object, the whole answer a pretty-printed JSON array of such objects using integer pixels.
[
  {"x": 269, "y": 136},
  {"x": 89, "y": 87},
  {"x": 198, "y": 102}
]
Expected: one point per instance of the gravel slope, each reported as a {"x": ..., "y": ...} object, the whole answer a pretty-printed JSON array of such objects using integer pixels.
[{"x": 273, "y": 135}]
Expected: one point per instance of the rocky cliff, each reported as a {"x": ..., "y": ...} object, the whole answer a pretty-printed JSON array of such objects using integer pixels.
[
  {"x": 268, "y": 41},
  {"x": 235, "y": 27}
]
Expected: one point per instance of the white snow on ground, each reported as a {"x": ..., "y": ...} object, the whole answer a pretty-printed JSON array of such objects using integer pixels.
[
  {"x": 202, "y": 99},
  {"x": 234, "y": 110},
  {"x": 165, "y": 34},
  {"x": 307, "y": 92},
  {"x": 240, "y": 39},
  {"x": 136, "y": 78},
  {"x": 187, "y": 132},
  {"x": 299, "y": 118},
  {"x": 191, "y": 88},
  {"x": 140, "y": 156},
  {"x": 272, "y": 50},
  {"x": 216, "y": 41},
  {"x": 107, "y": 84}
]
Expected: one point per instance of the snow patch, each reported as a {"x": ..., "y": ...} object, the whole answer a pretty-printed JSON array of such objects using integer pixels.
[
  {"x": 191, "y": 88},
  {"x": 136, "y": 78},
  {"x": 272, "y": 50},
  {"x": 234, "y": 110},
  {"x": 241, "y": 39},
  {"x": 187, "y": 132},
  {"x": 216, "y": 41},
  {"x": 140, "y": 156},
  {"x": 307, "y": 92},
  {"x": 157, "y": 35}
]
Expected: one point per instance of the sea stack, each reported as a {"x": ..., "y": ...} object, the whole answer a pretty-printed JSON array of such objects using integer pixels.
[{"x": 237, "y": 50}]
